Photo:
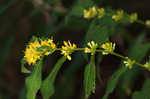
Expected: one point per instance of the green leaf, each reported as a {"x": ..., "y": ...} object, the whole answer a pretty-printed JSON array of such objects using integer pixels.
[
  {"x": 23, "y": 69},
  {"x": 79, "y": 6},
  {"x": 100, "y": 30},
  {"x": 97, "y": 33},
  {"x": 73, "y": 18},
  {"x": 113, "y": 80},
  {"x": 128, "y": 75},
  {"x": 131, "y": 76},
  {"x": 68, "y": 83},
  {"x": 76, "y": 63},
  {"x": 90, "y": 77},
  {"x": 47, "y": 88},
  {"x": 138, "y": 55},
  {"x": 33, "y": 82},
  {"x": 137, "y": 51},
  {"x": 144, "y": 93}
]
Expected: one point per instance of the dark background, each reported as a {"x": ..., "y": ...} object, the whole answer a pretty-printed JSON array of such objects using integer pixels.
[{"x": 20, "y": 19}]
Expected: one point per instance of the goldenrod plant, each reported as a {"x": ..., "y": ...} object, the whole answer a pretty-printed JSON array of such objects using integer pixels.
[
  {"x": 96, "y": 45},
  {"x": 37, "y": 49}
]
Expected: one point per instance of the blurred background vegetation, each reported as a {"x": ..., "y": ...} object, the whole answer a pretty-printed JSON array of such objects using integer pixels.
[{"x": 21, "y": 19}]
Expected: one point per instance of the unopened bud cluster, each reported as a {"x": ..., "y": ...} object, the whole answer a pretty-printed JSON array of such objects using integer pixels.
[{"x": 94, "y": 12}]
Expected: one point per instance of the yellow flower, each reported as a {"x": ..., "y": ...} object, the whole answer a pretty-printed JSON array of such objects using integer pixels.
[
  {"x": 101, "y": 12},
  {"x": 35, "y": 44},
  {"x": 47, "y": 53},
  {"x": 108, "y": 48},
  {"x": 87, "y": 14},
  {"x": 118, "y": 15},
  {"x": 31, "y": 53},
  {"x": 92, "y": 47},
  {"x": 129, "y": 63},
  {"x": 92, "y": 12},
  {"x": 147, "y": 65},
  {"x": 53, "y": 45},
  {"x": 133, "y": 17},
  {"x": 48, "y": 46},
  {"x": 67, "y": 49},
  {"x": 50, "y": 40},
  {"x": 147, "y": 23},
  {"x": 44, "y": 43}
]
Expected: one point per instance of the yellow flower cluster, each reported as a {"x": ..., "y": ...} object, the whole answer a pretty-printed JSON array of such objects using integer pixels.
[
  {"x": 35, "y": 50},
  {"x": 108, "y": 48},
  {"x": 118, "y": 15},
  {"x": 67, "y": 49},
  {"x": 129, "y": 63},
  {"x": 48, "y": 46},
  {"x": 147, "y": 65},
  {"x": 92, "y": 47},
  {"x": 147, "y": 23},
  {"x": 31, "y": 53},
  {"x": 93, "y": 12},
  {"x": 101, "y": 12},
  {"x": 133, "y": 17}
]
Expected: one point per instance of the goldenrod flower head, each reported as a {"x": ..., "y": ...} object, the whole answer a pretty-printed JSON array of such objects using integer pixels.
[
  {"x": 92, "y": 12},
  {"x": 108, "y": 48},
  {"x": 47, "y": 47},
  {"x": 36, "y": 50},
  {"x": 31, "y": 53},
  {"x": 118, "y": 15},
  {"x": 147, "y": 65},
  {"x": 67, "y": 49},
  {"x": 129, "y": 63},
  {"x": 133, "y": 17},
  {"x": 101, "y": 12},
  {"x": 147, "y": 23},
  {"x": 87, "y": 14},
  {"x": 91, "y": 47}
]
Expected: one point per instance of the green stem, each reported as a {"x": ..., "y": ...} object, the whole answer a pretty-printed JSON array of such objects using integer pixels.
[{"x": 112, "y": 53}]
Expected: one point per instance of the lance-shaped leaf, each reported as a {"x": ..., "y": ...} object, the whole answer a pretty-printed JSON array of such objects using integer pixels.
[
  {"x": 47, "y": 88},
  {"x": 113, "y": 80},
  {"x": 127, "y": 76},
  {"x": 33, "y": 82},
  {"x": 144, "y": 93},
  {"x": 90, "y": 77}
]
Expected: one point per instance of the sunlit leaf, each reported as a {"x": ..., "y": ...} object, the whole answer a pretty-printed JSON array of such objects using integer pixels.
[
  {"x": 47, "y": 88},
  {"x": 113, "y": 80},
  {"x": 79, "y": 6},
  {"x": 33, "y": 82},
  {"x": 90, "y": 77}
]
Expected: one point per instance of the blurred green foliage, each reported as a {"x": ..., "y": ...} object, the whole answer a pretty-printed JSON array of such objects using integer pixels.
[{"x": 20, "y": 20}]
